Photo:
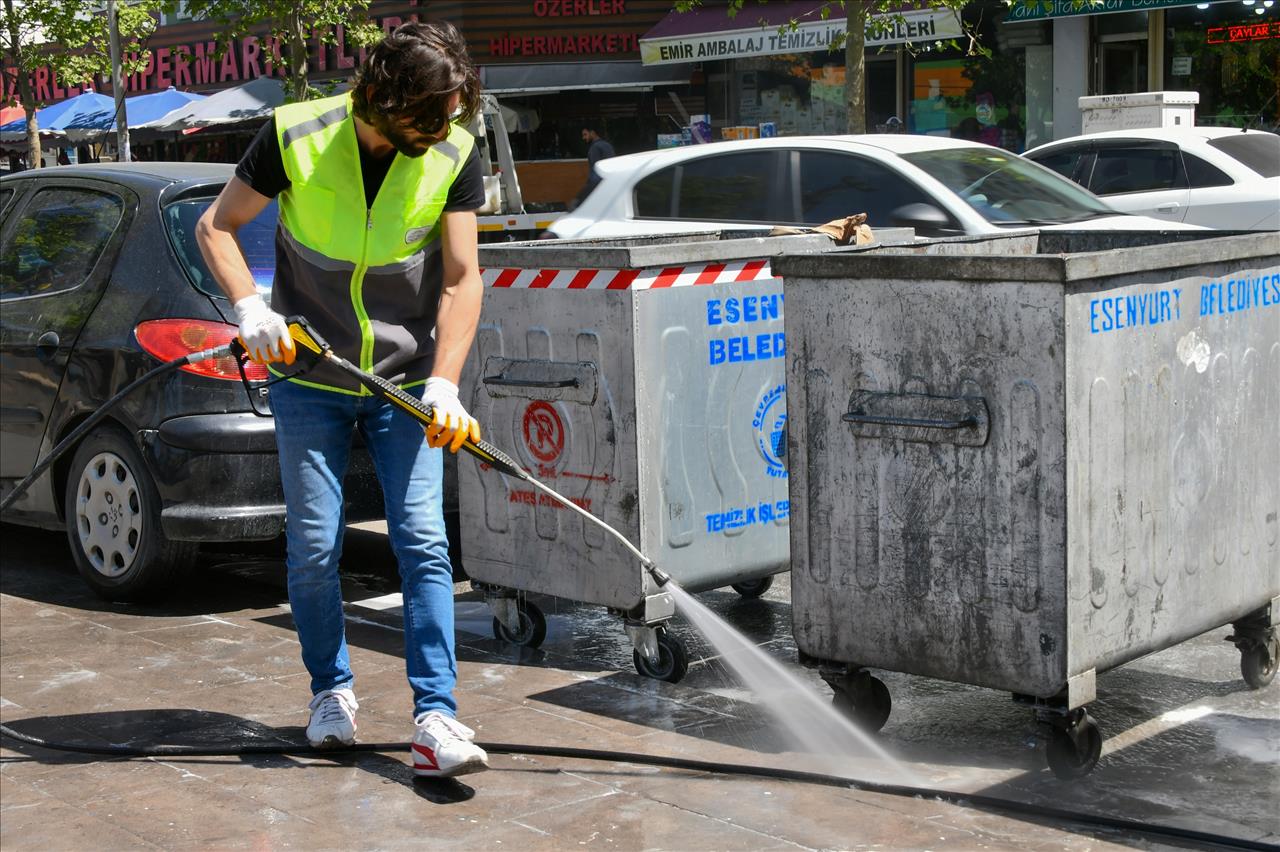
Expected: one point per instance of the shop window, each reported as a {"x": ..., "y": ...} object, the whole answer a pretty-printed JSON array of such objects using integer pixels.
[
  {"x": 729, "y": 188},
  {"x": 833, "y": 186},
  {"x": 1202, "y": 174},
  {"x": 1236, "y": 79},
  {"x": 1119, "y": 170},
  {"x": 57, "y": 242}
]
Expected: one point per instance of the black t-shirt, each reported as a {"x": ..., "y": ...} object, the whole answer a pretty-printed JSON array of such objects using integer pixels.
[{"x": 262, "y": 167}]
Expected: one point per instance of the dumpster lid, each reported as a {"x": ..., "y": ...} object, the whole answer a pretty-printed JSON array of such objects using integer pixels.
[{"x": 1059, "y": 257}]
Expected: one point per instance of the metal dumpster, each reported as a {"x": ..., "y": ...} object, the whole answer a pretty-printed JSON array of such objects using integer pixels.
[
  {"x": 1018, "y": 462},
  {"x": 643, "y": 379}
]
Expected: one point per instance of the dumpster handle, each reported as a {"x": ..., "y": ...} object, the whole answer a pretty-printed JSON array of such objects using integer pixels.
[
  {"x": 530, "y": 383},
  {"x": 859, "y": 417}
]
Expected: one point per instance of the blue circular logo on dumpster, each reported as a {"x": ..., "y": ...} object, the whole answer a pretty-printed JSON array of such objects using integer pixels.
[{"x": 770, "y": 423}]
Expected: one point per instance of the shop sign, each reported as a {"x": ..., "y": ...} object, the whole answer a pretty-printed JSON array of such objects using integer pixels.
[
  {"x": 1035, "y": 10},
  {"x": 919, "y": 26},
  {"x": 1243, "y": 32},
  {"x": 201, "y": 64}
]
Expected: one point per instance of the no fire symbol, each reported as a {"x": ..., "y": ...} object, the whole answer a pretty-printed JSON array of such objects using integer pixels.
[{"x": 543, "y": 431}]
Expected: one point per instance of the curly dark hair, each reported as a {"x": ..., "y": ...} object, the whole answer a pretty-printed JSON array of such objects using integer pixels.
[{"x": 412, "y": 73}]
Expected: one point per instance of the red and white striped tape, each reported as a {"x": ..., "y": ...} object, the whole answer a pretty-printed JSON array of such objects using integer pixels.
[{"x": 628, "y": 279}]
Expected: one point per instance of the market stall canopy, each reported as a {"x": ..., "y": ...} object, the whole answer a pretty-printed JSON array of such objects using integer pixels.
[
  {"x": 569, "y": 76},
  {"x": 53, "y": 118},
  {"x": 250, "y": 101},
  {"x": 709, "y": 33},
  {"x": 141, "y": 109},
  {"x": 95, "y": 125}
]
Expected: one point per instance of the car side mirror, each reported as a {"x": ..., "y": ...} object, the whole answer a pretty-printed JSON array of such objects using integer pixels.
[{"x": 925, "y": 218}]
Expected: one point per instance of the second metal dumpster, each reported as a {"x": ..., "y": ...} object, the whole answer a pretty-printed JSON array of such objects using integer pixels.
[{"x": 1019, "y": 462}]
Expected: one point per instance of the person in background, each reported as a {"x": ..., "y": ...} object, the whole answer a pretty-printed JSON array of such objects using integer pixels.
[
  {"x": 376, "y": 247},
  {"x": 598, "y": 148}
]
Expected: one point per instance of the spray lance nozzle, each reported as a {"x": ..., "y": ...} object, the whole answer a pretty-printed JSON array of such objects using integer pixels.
[{"x": 659, "y": 576}]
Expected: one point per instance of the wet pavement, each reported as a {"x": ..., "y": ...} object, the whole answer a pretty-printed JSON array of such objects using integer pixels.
[{"x": 1187, "y": 743}]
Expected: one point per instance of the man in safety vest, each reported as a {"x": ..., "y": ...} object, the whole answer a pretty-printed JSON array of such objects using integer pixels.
[{"x": 376, "y": 247}]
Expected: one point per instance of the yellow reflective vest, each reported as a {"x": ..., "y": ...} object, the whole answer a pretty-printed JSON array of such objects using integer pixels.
[{"x": 368, "y": 278}]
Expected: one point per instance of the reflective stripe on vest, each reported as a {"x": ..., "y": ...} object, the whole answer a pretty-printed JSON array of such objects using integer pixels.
[{"x": 335, "y": 246}]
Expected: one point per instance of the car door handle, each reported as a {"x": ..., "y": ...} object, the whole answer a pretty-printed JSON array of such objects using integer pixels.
[
  {"x": 1171, "y": 207},
  {"x": 47, "y": 345}
]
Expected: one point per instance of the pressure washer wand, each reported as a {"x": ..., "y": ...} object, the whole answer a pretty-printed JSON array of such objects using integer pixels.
[{"x": 316, "y": 347}]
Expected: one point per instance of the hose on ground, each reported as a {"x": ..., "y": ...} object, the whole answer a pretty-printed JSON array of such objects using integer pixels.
[{"x": 970, "y": 800}]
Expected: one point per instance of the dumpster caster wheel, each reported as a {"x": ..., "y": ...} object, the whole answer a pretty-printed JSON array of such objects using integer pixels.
[
  {"x": 865, "y": 701},
  {"x": 1074, "y": 751},
  {"x": 754, "y": 588},
  {"x": 673, "y": 659},
  {"x": 533, "y": 627},
  {"x": 1258, "y": 662}
]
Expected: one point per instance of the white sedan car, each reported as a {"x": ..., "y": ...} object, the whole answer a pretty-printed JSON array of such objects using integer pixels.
[
  {"x": 1219, "y": 177},
  {"x": 938, "y": 186}
]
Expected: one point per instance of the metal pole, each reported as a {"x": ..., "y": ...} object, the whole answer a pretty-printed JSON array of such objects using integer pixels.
[{"x": 117, "y": 87}]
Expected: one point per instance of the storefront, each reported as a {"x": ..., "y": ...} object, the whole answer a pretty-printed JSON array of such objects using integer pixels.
[
  {"x": 558, "y": 64},
  {"x": 761, "y": 72},
  {"x": 643, "y": 72},
  {"x": 1228, "y": 51},
  {"x": 762, "y": 69}
]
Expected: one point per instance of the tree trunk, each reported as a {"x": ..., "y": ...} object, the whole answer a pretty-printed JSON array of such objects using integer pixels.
[
  {"x": 855, "y": 70},
  {"x": 34, "y": 160},
  {"x": 24, "y": 90},
  {"x": 297, "y": 58}
]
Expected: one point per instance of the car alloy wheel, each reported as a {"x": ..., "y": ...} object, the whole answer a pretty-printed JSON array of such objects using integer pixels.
[
  {"x": 112, "y": 511},
  {"x": 108, "y": 514}
]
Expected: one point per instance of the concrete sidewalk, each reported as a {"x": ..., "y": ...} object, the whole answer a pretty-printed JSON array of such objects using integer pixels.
[{"x": 221, "y": 665}]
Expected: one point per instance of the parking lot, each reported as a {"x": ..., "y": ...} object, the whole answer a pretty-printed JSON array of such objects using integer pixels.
[{"x": 1187, "y": 744}]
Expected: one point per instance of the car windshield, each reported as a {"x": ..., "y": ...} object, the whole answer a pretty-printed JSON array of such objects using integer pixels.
[
  {"x": 1258, "y": 151},
  {"x": 1007, "y": 190},
  {"x": 257, "y": 241}
]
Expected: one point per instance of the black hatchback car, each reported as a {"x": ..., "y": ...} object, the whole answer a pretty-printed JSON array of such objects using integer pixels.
[{"x": 100, "y": 281}]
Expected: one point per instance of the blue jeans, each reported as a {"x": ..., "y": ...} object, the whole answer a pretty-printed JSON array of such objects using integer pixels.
[{"x": 313, "y": 435}]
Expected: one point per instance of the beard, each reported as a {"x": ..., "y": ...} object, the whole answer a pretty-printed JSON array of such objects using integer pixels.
[
  {"x": 400, "y": 141},
  {"x": 405, "y": 147}
]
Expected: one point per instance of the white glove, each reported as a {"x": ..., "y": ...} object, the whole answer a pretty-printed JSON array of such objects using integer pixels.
[
  {"x": 263, "y": 332},
  {"x": 451, "y": 424}
]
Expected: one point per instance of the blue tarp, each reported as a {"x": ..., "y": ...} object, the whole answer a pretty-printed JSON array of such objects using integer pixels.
[
  {"x": 89, "y": 111},
  {"x": 143, "y": 108},
  {"x": 90, "y": 115},
  {"x": 17, "y": 130}
]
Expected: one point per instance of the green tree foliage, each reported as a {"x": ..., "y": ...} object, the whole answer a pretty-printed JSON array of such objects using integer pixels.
[
  {"x": 71, "y": 37},
  {"x": 290, "y": 24},
  {"x": 875, "y": 17}
]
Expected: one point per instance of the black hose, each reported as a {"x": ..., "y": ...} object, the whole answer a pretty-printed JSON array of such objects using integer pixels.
[
  {"x": 94, "y": 419},
  {"x": 992, "y": 803}
]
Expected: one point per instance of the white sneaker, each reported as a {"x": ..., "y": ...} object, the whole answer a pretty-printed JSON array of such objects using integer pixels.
[
  {"x": 442, "y": 747},
  {"x": 333, "y": 718}
]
